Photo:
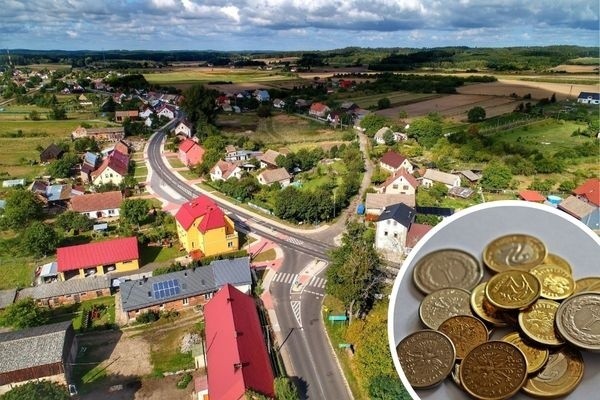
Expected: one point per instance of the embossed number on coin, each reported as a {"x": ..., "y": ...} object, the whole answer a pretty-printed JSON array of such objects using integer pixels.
[
  {"x": 559, "y": 377},
  {"x": 578, "y": 320},
  {"x": 447, "y": 268}
]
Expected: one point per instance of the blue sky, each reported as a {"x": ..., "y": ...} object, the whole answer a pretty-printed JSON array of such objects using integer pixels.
[{"x": 294, "y": 24}]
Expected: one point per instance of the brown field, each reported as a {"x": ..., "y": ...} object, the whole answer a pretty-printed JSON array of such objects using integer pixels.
[
  {"x": 454, "y": 106},
  {"x": 576, "y": 69},
  {"x": 538, "y": 90},
  {"x": 231, "y": 87}
]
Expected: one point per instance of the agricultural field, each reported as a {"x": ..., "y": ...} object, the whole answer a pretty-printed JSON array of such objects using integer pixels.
[
  {"x": 279, "y": 129},
  {"x": 538, "y": 90},
  {"x": 396, "y": 98},
  {"x": 187, "y": 76}
]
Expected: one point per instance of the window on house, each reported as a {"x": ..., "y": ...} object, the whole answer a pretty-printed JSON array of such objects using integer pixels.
[
  {"x": 229, "y": 244},
  {"x": 385, "y": 233},
  {"x": 185, "y": 301},
  {"x": 405, "y": 187},
  {"x": 162, "y": 306},
  {"x": 395, "y": 235},
  {"x": 208, "y": 296},
  {"x": 394, "y": 186}
]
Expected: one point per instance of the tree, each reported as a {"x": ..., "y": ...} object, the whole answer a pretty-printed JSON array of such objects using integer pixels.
[
  {"x": 34, "y": 115},
  {"x": 73, "y": 221},
  {"x": 383, "y": 103},
  {"x": 372, "y": 123},
  {"x": 86, "y": 144},
  {"x": 496, "y": 176},
  {"x": 385, "y": 387},
  {"x": 36, "y": 390},
  {"x": 23, "y": 313},
  {"x": 62, "y": 168},
  {"x": 22, "y": 207},
  {"x": 285, "y": 389},
  {"x": 57, "y": 113},
  {"x": 40, "y": 239},
  {"x": 134, "y": 211},
  {"x": 199, "y": 102},
  {"x": 427, "y": 130},
  {"x": 263, "y": 111},
  {"x": 353, "y": 275},
  {"x": 476, "y": 114},
  {"x": 438, "y": 191},
  {"x": 567, "y": 186},
  {"x": 388, "y": 138}
]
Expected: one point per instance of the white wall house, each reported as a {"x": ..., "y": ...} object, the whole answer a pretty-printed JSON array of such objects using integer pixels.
[
  {"x": 392, "y": 228},
  {"x": 433, "y": 175},
  {"x": 400, "y": 183}
]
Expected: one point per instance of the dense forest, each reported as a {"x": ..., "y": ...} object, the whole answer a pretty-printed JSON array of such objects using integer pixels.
[{"x": 380, "y": 59}]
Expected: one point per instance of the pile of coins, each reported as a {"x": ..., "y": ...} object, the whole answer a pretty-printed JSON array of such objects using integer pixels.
[{"x": 548, "y": 315}]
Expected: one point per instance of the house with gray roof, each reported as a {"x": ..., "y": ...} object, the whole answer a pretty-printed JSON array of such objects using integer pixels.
[
  {"x": 46, "y": 351},
  {"x": 182, "y": 289},
  {"x": 67, "y": 292}
]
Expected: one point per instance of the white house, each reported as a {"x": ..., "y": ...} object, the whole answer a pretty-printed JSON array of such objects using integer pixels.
[
  {"x": 148, "y": 122},
  {"x": 224, "y": 170},
  {"x": 400, "y": 183},
  {"x": 145, "y": 113},
  {"x": 184, "y": 128},
  {"x": 392, "y": 228},
  {"x": 98, "y": 205},
  {"x": 166, "y": 111},
  {"x": 433, "y": 175},
  {"x": 393, "y": 162},
  {"x": 278, "y": 103},
  {"x": 271, "y": 176}
]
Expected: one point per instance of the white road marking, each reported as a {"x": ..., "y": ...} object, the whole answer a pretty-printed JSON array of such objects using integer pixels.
[
  {"x": 296, "y": 309},
  {"x": 317, "y": 282},
  {"x": 295, "y": 241},
  {"x": 284, "y": 277}
]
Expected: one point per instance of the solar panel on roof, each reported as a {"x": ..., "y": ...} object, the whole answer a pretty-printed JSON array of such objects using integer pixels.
[{"x": 166, "y": 289}]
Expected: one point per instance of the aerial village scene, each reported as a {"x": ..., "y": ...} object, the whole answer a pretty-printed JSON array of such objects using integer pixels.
[{"x": 230, "y": 223}]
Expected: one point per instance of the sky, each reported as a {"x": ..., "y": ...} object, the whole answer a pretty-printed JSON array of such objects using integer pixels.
[{"x": 294, "y": 24}]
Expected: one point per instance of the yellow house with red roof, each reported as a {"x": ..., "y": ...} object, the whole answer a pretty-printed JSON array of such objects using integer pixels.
[{"x": 204, "y": 229}]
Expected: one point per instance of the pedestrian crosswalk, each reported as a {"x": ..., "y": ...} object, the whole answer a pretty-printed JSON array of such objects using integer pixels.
[
  {"x": 295, "y": 241},
  {"x": 286, "y": 277},
  {"x": 296, "y": 309}
]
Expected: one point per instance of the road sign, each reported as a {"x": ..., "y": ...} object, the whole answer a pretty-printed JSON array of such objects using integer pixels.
[{"x": 338, "y": 318}]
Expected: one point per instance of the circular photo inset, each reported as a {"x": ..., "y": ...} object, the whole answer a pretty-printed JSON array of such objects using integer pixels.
[{"x": 495, "y": 280}]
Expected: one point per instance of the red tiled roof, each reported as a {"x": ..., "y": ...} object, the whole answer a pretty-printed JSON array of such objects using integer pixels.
[
  {"x": 392, "y": 159},
  {"x": 404, "y": 173},
  {"x": 237, "y": 358},
  {"x": 226, "y": 168},
  {"x": 193, "y": 151},
  {"x": 590, "y": 189},
  {"x": 201, "y": 207},
  {"x": 416, "y": 233},
  {"x": 531, "y": 195},
  {"x": 96, "y": 201},
  {"x": 318, "y": 107},
  {"x": 121, "y": 147},
  {"x": 95, "y": 254},
  {"x": 117, "y": 161}
]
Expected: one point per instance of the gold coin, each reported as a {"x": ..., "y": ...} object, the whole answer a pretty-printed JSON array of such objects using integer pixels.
[
  {"x": 557, "y": 284},
  {"x": 466, "y": 333},
  {"x": 578, "y": 320},
  {"x": 447, "y": 268},
  {"x": 536, "y": 356},
  {"x": 426, "y": 357},
  {"x": 537, "y": 323},
  {"x": 442, "y": 304},
  {"x": 512, "y": 290},
  {"x": 493, "y": 370},
  {"x": 557, "y": 261},
  {"x": 514, "y": 252},
  {"x": 559, "y": 377},
  {"x": 591, "y": 284},
  {"x": 483, "y": 309}
]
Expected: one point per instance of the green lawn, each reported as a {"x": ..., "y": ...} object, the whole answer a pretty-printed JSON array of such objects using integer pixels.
[
  {"x": 189, "y": 174},
  {"x": 150, "y": 254},
  {"x": 165, "y": 354},
  {"x": 73, "y": 312},
  {"x": 16, "y": 272},
  {"x": 175, "y": 162},
  {"x": 549, "y": 136},
  {"x": 268, "y": 255}
]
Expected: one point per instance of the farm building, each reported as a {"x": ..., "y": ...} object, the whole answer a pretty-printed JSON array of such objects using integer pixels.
[
  {"x": 99, "y": 134},
  {"x": 237, "y": 358},
  {"x": 51, "y": 153},
  {"x": 588, "y": 98},
  {"x": 121, "y": 116},
  {"x": 435, "y": 176},
  {"x": 99, "y": 258},
  {"x": 46, "y": 351},
  {"x": 182, "y": 289},
  {"x": 59, "y": 293}
]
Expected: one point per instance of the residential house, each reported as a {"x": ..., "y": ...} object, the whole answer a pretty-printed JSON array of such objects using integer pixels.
[
  {"x": 148, "y": 122},
  {"x": 393, "y": 162},
  {"x": 271, "y": 176},
  {"x": 414, "y": 235},
  {"x": 318, "y": 110},
  {"x": 268, "y": 159},
  {"x": 348, "y": 106},
  {"x": 46, "y": 351},
  {"x": 589, "y": 191},
  {"x": 262, "y": 95},
  {"x": 375, "y": 203},
  {"x": 204, "y": 229},
  {"x": 98, "y": 258},
  {"x": 145, "y": 113},
  {"x": 51, "y": 153},
  {"x": 112, "y": 170},
  {"x": 58, "y": 194},
  {"x": 121, "y": 147},
  {"x": 224, "y": 170},
  {"x": 236, "y": 357},
  {"x": 301, "y": 103},
  {"x": 586, "y": 212},
  {"x": 98, "y": 205},
  {"x": 166, "y": 111},
  {"x": 392, "y": 228},
  {"x": 396, "y": 136},
  {"x": 99, "y": 134},
  {"x": 278, "y": 103},
  {"x": 588, "y": 98},
  {"x": 432, "y": 176},
  {"x": 121, "y": 116},
  {"x": 60, "y": 293},
  {"x": 232, "y": 154},
  {"x": 190, "y": 153},
  {"x": 401, "y": 182},
  {"x": 183, "y": 289},
  {"x": 531, "y": 195},
  {"x": 184, "y": 128},
  {"x": 89, "y": 165}
]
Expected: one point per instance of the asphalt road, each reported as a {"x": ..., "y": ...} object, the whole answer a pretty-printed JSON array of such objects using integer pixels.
[{"x": 314, "y": 368}]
